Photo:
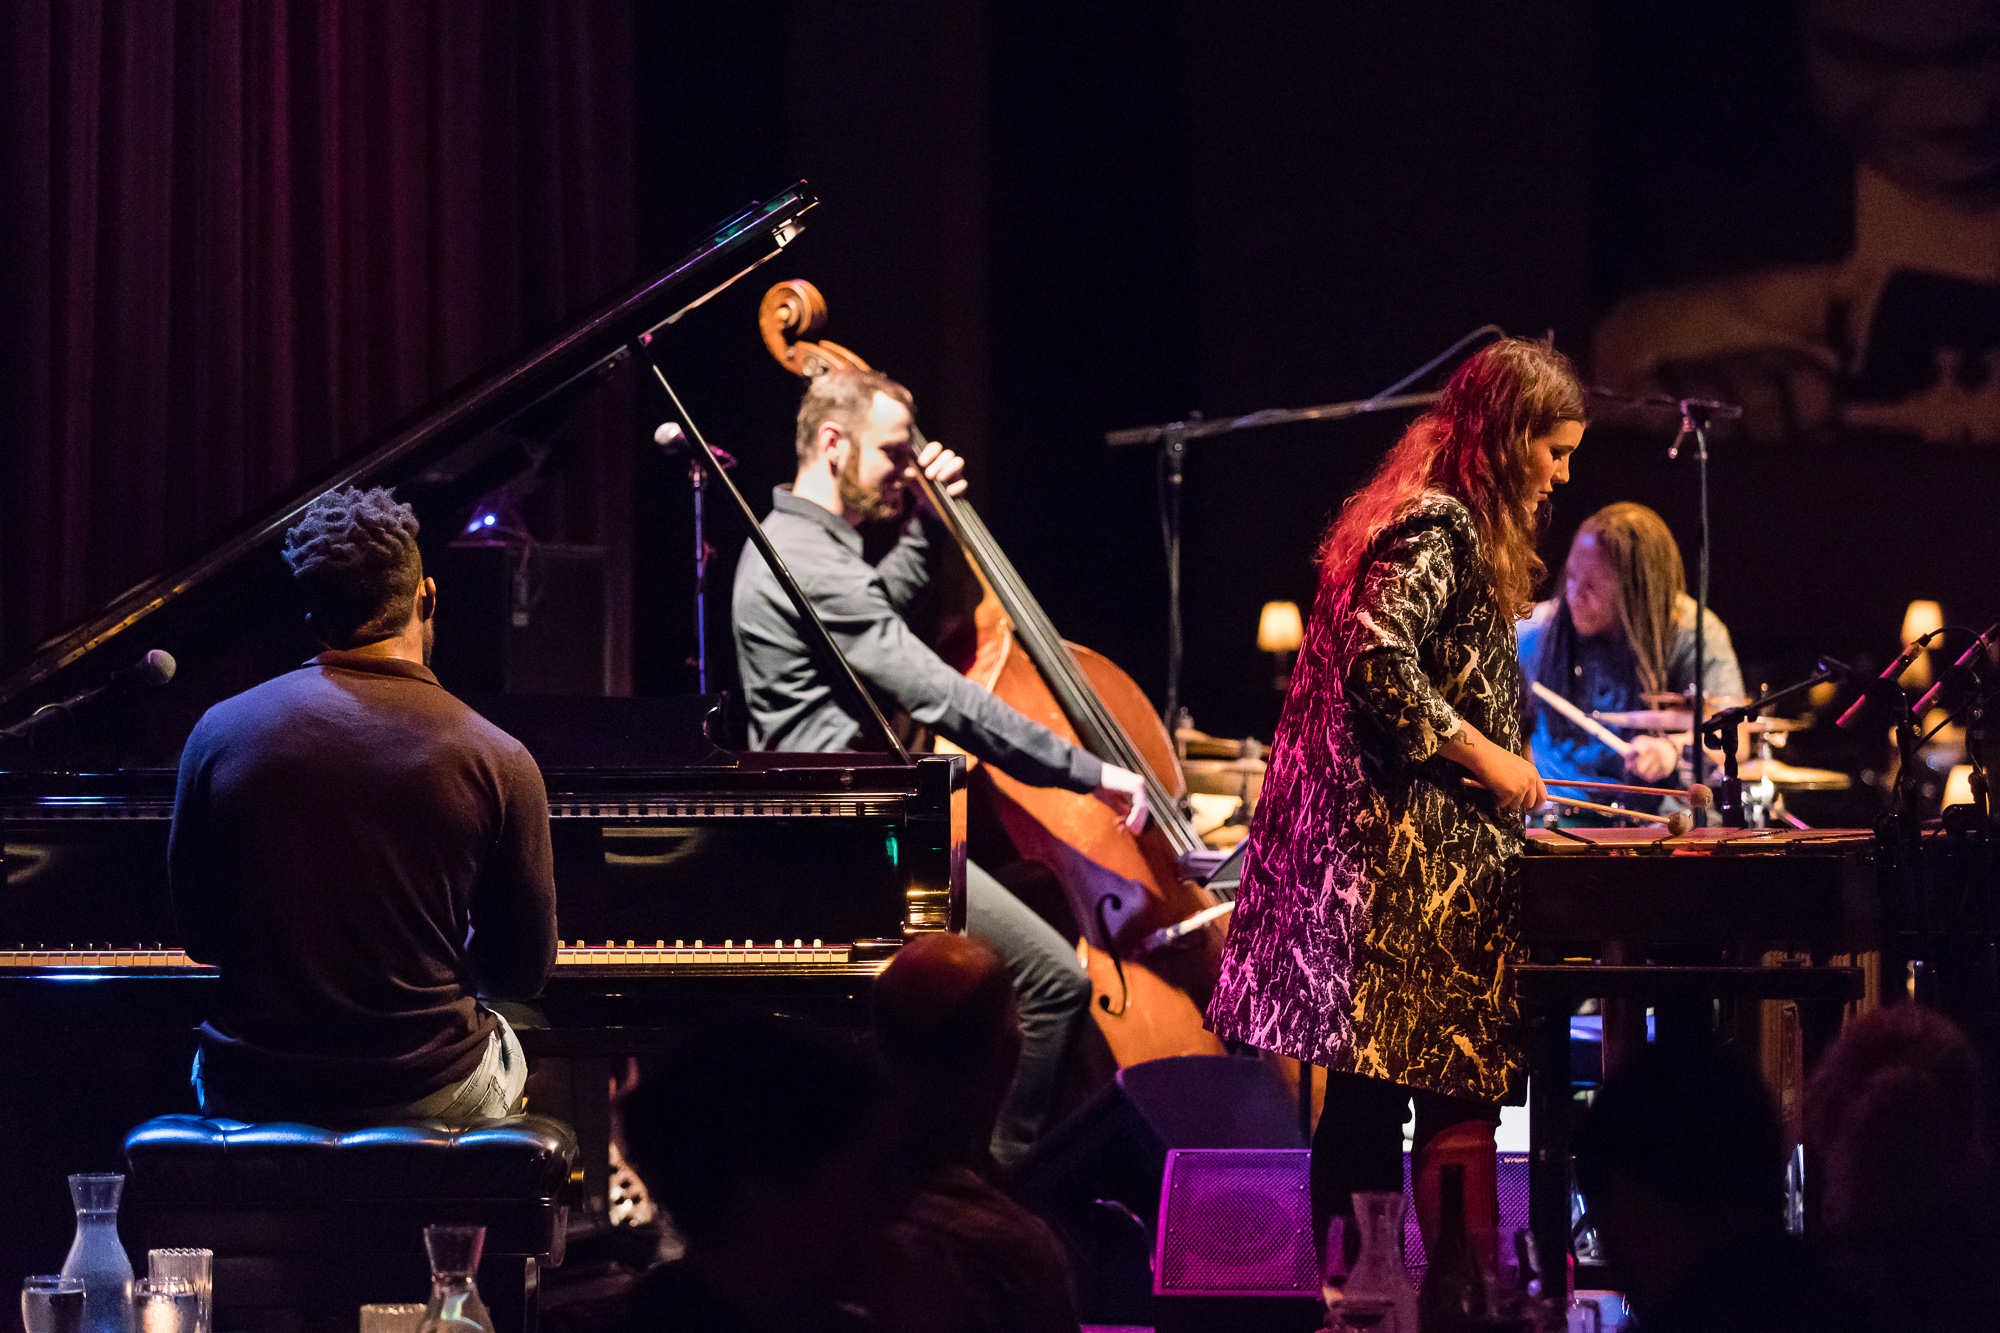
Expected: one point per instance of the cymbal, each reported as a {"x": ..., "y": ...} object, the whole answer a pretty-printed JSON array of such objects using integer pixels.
[
  {"x": 1679, "y": 719},
  {"x": 1713, "y": 704},
  {"x": 1225, "y": 777},
  {"x": 1791, "y": 777}
]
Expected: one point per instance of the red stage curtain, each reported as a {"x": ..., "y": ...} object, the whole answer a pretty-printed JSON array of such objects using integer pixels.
[{"x": 238, "y": 236}]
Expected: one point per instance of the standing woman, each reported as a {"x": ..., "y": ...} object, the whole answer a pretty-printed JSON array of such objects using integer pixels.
[{"x": 1373, "y": 932}]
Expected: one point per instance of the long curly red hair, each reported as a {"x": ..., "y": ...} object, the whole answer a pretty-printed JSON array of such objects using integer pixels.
[{"x": 1473, "y": 446}]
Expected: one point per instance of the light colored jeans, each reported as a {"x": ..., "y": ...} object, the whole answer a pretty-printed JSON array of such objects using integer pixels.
[{"x": 492, "y": 1090}]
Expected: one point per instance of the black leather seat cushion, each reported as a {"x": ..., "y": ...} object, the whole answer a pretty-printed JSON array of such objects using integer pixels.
[{"x": 189, "y": 1160}]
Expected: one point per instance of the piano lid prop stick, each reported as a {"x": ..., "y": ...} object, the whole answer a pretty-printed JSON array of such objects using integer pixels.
[{"x": 1582, "y": 719}]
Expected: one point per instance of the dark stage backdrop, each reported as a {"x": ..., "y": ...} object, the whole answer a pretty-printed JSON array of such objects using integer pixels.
[
  {"x": 1054, "y": 220},
  {"x": 238, "y": 239},
  {"x": 244, "y": 238}
]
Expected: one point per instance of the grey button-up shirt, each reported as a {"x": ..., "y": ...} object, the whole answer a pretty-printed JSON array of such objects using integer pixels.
[{"x": 793, "y": 703}]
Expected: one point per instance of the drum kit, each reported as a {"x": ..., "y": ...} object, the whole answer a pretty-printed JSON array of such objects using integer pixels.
[{"x": 1766, "y": 778}]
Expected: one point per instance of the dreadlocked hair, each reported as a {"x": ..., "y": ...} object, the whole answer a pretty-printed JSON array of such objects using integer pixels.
[
  {"x": 354, "y": 553},
  {"x": 1651, "y": 582},
  {"x": 1472, "y": 446}
]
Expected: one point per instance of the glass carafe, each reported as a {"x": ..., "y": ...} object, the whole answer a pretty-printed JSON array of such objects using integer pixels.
[
  {"x": 97, "y": 1258},
  {"x": 455, "y": 1306},
  {"x": 1378, "y": 1284}
]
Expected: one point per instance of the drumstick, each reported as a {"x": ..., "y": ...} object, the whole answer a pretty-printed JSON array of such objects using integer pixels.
[{"x": 1582, "y": 719}]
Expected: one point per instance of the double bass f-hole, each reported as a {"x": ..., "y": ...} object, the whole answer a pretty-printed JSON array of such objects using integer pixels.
[{"x": 1113, "y": 902}]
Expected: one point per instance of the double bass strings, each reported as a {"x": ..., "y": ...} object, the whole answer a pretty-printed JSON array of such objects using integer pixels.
[{"x": 1048, "y": 651}]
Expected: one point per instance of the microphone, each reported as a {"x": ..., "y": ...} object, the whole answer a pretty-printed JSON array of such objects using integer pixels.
[
  {"x": 1964, "y": 659},
  {"x": 670, "y": 437},
  {"x": 157, "y": 667},
  {"x": 1851, "y": 719}
]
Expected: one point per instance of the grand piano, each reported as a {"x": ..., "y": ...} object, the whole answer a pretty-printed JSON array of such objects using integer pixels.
[{"x": 688, "y": 877}]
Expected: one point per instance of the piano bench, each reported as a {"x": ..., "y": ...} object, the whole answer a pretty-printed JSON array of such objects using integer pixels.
[{"x": 309, "y": 1224}]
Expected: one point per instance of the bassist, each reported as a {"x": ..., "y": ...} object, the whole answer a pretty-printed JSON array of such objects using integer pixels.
[{"x": 855, "y": 464}]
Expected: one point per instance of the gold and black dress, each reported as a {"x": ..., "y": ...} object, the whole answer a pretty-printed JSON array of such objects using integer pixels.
[{"x": 1375, "y": 930}]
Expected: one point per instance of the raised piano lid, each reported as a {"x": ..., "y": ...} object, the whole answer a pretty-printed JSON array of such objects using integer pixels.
[{"x": 226, "y": 614}]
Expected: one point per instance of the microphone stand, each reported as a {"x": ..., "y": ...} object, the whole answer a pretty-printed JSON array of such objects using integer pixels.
[
  {"x": 703, "y": 553},
  {"x": 1697, "y": 415},
  {"x": 1695, "y": 419},
  {"x": 1725, "y": 726},
  {"x": 1173, "y": 437},
  {"x": 811, "y": 627}
]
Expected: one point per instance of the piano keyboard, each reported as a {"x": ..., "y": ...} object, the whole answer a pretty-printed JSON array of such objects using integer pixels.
[{"x": 659, "y": 954}]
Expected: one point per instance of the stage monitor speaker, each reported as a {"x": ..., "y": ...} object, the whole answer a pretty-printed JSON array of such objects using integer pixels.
[
  {"x": 1096, "y": 1177},
  {"x": 514, "y": 620},
  {"x": 1235, "y": 1249}
]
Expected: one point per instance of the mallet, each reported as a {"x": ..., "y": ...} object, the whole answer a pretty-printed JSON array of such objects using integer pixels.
[{"x": 1698, "y": 796}]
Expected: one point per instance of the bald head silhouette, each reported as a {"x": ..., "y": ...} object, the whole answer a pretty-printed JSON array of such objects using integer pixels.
[{"x": 946, "y": 1025}]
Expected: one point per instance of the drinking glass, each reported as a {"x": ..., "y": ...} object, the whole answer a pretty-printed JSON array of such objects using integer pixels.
[
  {"x": 52, "y": 1303},
  {"x": 455, "y": 1306},
  {"x": 194, "y": 1269},
  {"x": 164, "y": 1307},
  {"x": 391, "y": 1318}
]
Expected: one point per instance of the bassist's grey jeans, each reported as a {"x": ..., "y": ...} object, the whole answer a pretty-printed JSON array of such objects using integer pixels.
[{"x": 1053, "y": 991}]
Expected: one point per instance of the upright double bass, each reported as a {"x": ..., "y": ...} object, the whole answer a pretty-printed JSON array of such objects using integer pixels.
[{"x": 1124, "y": 890}]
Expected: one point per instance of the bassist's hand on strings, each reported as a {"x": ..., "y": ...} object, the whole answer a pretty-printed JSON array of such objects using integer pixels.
[
  {"x": 1124, "y": 791},
  {"x": 944, "y": 467}
]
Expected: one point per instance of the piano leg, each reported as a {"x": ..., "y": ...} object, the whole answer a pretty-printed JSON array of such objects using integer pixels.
[{"x": 1549, "y": 1097}]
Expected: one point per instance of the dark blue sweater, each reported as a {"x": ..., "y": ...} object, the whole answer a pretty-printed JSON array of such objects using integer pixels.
[{"x": 361, "y": 854}]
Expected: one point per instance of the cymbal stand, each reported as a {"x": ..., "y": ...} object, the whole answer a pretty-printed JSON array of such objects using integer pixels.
[{"x": 1725, "y": 727}]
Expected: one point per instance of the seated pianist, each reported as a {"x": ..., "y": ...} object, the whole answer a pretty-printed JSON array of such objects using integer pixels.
[{"x": 363, "y": 857}]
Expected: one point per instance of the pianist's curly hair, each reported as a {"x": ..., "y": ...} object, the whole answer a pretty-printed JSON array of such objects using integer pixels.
[{"x": 354, "y": 553}]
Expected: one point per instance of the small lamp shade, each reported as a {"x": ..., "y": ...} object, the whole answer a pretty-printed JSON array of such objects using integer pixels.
[
  {"x": 1958, "y": 786},
  {"x": 1279, "y": 629},
  {"x": 1922, "y": 618}
]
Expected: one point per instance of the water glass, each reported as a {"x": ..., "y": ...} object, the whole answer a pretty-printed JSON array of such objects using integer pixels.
[
  {"x": 195, "y": 1271},
  {"x": 391, "y": 1318},
  {"x": 52, "y": 1304},
  {"x": 164, "y": 1307}
]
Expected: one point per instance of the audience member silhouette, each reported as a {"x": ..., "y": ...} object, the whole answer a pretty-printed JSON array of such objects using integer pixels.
[
  {"x": 1903, "y": 1169},
  {"x": 772, "y": 1145},
  {"x": 967, "y": 1259},
  {"x": 1681, "y": 1161}
]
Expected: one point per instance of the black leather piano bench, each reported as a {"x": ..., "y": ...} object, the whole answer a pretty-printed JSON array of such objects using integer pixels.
[{"x": 309, "y": 1224}]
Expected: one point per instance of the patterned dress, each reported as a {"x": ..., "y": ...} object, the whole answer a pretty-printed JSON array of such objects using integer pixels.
[{"x": 1375, "y": 926}]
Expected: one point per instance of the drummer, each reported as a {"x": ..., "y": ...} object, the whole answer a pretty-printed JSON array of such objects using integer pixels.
[{"x": 1620, "y": 628}]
